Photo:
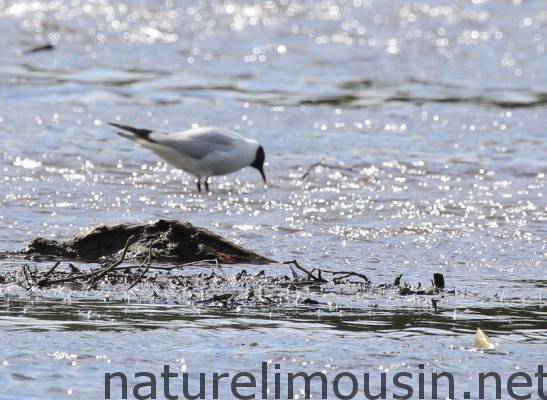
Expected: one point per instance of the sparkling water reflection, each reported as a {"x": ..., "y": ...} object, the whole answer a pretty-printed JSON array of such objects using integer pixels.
[{"x": 401, "y": 137}]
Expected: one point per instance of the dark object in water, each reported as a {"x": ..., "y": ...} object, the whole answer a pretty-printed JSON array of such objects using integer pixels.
[
  {"x": 438, "y": 280},
  {"x": 166, "y": 240},
  {"x": 45, "y": 47},
  {"x": 310, "y": 302}
]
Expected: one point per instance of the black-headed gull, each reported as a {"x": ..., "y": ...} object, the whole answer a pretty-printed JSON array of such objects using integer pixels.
[{"x": 202, "y": 152}]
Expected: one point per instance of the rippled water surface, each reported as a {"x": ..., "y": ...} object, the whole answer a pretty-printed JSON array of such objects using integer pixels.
[{"x": 401, "y": 138}]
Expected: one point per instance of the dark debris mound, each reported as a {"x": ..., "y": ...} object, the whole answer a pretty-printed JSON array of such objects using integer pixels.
[
  {"x": 166, "y": 241},
  {"x": 160, "y": 260},
  {"x": 207, "y": 283}
]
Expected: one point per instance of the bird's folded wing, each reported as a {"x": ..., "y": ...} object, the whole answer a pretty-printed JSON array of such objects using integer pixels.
[{"x": 196, "y": 146}]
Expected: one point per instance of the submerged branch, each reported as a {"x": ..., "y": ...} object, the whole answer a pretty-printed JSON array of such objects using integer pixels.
[
  {"x": 308, "y": 273},
  {"x": 323, "y": 163},
  {"x": 147, "y": 261},
  {"x": 347, "y": 274}
]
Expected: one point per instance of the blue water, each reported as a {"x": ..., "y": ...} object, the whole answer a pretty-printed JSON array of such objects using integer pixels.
[{"x": 425, "y": 123}]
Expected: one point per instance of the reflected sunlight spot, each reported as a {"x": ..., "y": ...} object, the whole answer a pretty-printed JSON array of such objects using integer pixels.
[
  {"x": 26, "y": 163},
  {"x": 245, "y": 227}
]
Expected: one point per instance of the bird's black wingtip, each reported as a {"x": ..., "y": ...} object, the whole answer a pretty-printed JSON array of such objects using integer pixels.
[
  {"x": 120, "y": 126},
  {"x": 143, "y": 133}
]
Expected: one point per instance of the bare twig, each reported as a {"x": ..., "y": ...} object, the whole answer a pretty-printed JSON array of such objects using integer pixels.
[
  {"x": 147, "y": 261},
  {"x": 27, "y": 277},
  {"x": 311, "y": 167},
  {"x": 308, "y": 273},
  {"x": 94, "y": 274},
  {"x": 214, "y": 260},
  {"x": 348, "y": 274},
  {"x": 165, "y": 268},
  {"x": 105, "y": 270},
  {"x": 219, "y": 266},
  {"x": 322, "y": 163},
  {"x": 50, "y": 271},
  {"x": 44, "y": 279}
]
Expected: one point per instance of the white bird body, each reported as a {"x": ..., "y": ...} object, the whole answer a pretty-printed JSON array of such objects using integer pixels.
[{"x": 202, "y": 152}]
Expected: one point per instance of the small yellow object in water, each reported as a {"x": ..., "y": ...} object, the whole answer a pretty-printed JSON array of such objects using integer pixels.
[{"x": 482, "y": 341}]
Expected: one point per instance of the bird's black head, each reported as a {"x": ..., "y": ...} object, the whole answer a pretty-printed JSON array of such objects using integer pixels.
[{"x": 258, "y": 162}]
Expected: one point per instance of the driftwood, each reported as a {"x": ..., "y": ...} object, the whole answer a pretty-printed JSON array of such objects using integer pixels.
[{"x": 163, "y": 241}]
